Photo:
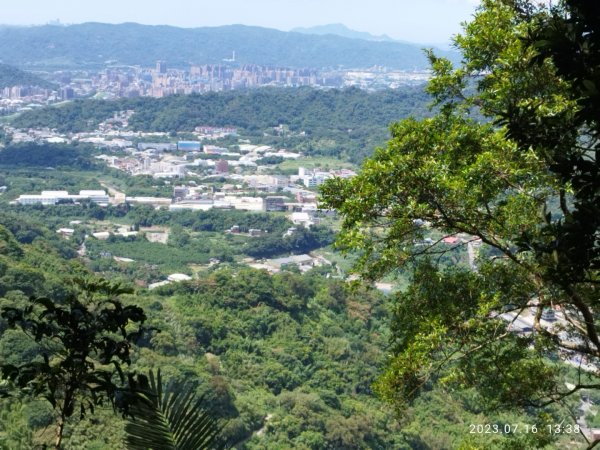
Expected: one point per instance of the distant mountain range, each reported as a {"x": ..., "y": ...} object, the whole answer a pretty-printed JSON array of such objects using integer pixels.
[
  {"x": 339, "y": 29},
  {"x": 96, "y": 44},
  {"x": 11, "y": 76}
]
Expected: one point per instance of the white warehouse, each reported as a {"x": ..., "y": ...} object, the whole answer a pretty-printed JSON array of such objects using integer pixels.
[{"x": 55, "y": 197}]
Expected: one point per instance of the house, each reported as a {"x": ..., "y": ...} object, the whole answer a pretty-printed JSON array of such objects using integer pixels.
[
  {"x": 177, "y": 277},
  {"x": 302, "y": 218},
  {"x": 275, "y": 203},
  {"x": 304, "y": 262},
  {"x": 66, "y": 232}
]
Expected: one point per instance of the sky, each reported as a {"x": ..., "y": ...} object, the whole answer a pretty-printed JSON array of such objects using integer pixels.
[{"x": 419, "y": 21}]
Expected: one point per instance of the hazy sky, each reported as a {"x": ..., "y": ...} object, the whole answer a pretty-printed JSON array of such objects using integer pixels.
[{"x": 422, "y": 21}]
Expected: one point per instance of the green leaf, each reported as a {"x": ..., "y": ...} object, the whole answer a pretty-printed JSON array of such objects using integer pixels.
[{"x": 173, "y": 419}]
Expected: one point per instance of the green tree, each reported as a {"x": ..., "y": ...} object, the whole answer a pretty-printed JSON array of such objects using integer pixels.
[
  {"x": 14, "y": 432},
  {"x": 509, "y": 163},
  {"x": 84, "y": 340}
]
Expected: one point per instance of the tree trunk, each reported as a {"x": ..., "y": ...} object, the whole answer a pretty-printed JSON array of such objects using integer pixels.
[{"x": 59, "y": 432}]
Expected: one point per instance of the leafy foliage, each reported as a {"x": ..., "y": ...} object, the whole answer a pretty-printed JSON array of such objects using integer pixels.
[
  {"x": 302, "y": 241},
  {"x": 288, "y": 360},
  {"x": 568, "y": 35},
  {"x": 79, "y": 338},
  {"x": 168, "y": 419},
  {"x": 522, "y": 185}
]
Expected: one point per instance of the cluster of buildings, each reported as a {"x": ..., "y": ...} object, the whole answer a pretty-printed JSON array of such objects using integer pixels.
[
  {"x": 161, "y": 81},
  {"x": 302, "y": 262},
  {"x": 236, "y": 197},
  {"x": 211, "y": 77},
  {"x": 240, "y": 176},
  {"x": 159, "y": 161},
  {"x": 315, "y": 177},
  {"x": 303, "y": 211},
  {"x": 177, "y": 160},
  {"x": 24, "y": 98},
  {"x": 303, "y": 207},
  {"x": 381, "y": 78},
  {"x": 236, "y": 167}
]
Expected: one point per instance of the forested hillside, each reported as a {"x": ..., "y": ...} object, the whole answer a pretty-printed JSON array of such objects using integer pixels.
[
  {"x": 301, "y": 109},
  {"x": 287, "y": 359},
  {"x": 347, "y": 122},
  {"x": 11, "y": 76},
  {"x": 48, "y": 155},
  {"x": 91, "y": 44}
]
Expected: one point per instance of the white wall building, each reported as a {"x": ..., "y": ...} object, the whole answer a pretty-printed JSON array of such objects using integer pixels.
[
  {"x": 54, "y": 197},
  {"x": 245, "y": 203},
  {"x": 97, "y": 196}
]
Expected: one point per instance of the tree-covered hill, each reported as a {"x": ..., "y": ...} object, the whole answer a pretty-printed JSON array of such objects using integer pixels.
[
  {"x": 11, "y": 76},
  {"x": 288, "y": 359},
  {"x": 47, "y": 155},
  {"x": 92, "y": 44},
  {"x": 355, "y": 119},
  {"x": 301, "y": 109}
]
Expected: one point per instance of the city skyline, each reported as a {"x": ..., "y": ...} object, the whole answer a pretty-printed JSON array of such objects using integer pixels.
[{"x": 427, "y": 21}]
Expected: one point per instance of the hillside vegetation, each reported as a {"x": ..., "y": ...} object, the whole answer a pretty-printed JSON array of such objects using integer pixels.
[
  {"x": 92, "y": 44},
  {"x": 11, "y": 76},
  {"x": 288, "y": 359},
  {"x": 348, "y": 122}
]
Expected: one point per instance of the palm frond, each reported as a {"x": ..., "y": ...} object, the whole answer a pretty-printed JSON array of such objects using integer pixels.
[{"x": 170, "y": 419}]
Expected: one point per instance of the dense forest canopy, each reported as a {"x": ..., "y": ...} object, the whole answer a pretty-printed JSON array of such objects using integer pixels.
[
  {"x": 292, "y": 355},
  {"x": 522, "y": 188},
  {"x": 48, "y": 155},
  {"x": 302, "y": 109}
]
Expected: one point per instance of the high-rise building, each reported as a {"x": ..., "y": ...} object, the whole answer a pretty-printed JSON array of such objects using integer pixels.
[
  {"x": 67, "y": 93},
  {"x": 161, "y": 67}
]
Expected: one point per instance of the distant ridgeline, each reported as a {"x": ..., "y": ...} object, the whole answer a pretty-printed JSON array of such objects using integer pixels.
[
  {"x": 95, "y": 44},
  {"x": 11, "y": 76},
  {"x": 355, "y": 119}
]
